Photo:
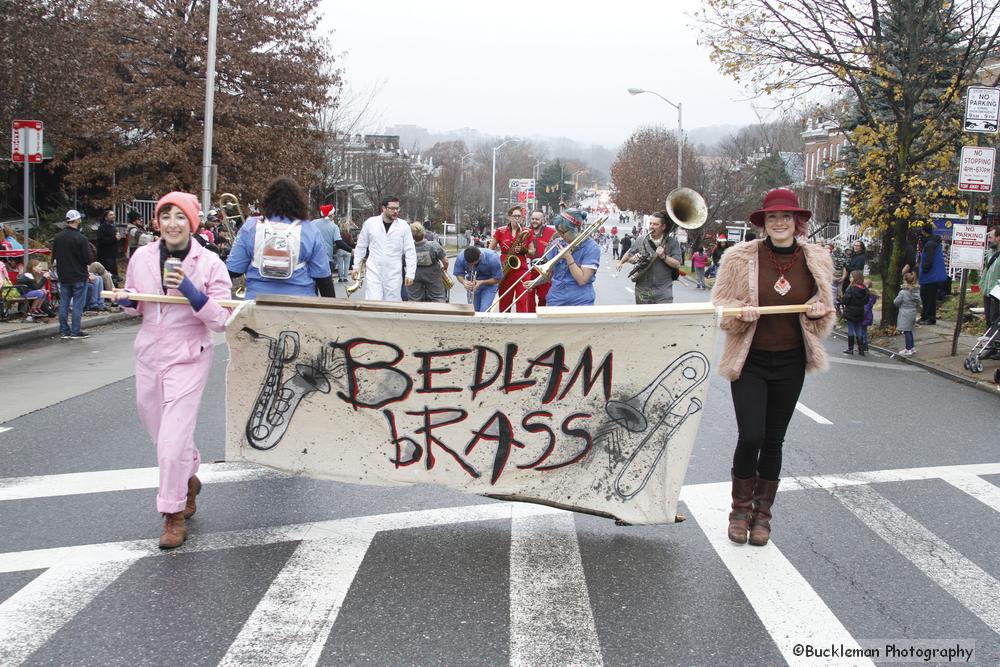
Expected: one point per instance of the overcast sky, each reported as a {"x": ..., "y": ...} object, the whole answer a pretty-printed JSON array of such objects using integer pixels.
[{"x": 549, "y": 67}]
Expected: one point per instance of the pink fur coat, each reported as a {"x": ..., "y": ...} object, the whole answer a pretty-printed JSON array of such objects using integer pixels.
[{"x": 736, "y": 286}]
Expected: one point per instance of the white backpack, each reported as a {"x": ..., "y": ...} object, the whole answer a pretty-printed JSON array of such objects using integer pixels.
[{"x": 276, "y": 249}]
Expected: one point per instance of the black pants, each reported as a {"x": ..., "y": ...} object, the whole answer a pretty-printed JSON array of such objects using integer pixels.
[
  {"x": 928, "y": 300},
  {"x": 764, "y": 397}
]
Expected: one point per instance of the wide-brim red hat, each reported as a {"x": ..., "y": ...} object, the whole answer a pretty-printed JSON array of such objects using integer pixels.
[{"x": 780, "y": 199}]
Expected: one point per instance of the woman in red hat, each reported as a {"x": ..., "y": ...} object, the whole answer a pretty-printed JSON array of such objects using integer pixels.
[
  {"x": 766, "y": 359},
  {"x": 173, "y": 349}
]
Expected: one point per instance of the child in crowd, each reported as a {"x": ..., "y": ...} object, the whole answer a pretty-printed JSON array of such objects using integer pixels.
[
  {"x": 31, "y": 284},
  {"x": 853, "y": 302},
  {"x": 869, "y": 315},
  {"x": 908, "y": 302}
]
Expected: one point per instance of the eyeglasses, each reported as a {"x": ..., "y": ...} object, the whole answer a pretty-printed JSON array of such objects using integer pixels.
[
  {"x": 516, "y": 215},
  {"x": 392, "y": 208}
]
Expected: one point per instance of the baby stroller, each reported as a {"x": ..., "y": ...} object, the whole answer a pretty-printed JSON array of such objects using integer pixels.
[{"x": 986, "y": 342}]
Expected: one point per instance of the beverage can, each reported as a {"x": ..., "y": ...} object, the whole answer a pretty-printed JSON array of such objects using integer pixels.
[{"x": 169, "y": 266}]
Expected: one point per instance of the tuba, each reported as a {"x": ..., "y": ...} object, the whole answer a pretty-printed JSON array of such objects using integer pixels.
[
  {"x": 357, "y": 284},
  {"x": 276, "y": 403}
]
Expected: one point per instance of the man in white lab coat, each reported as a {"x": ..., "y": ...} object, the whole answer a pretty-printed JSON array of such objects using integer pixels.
[{"x": 387, "y": 241}]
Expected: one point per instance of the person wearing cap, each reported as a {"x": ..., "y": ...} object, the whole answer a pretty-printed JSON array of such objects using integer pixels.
[
  {"x": 766, "y": 358},
  {"x": 432, "y": 263},
  {"x": 282, "y": 252},
  {"x": 332, "y": 240},
  {"x": 573, "y": 276},
  {"x": 174, "y": 350},
  {"x": 134, "y": 228},
  {"x": 71, "y": 252},
  {"x": 661, "y": 255}
]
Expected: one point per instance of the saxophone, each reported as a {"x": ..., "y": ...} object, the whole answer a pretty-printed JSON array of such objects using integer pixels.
[
  {"x": 511, "y": 260},
  {"x": 357, "y": 284},
  {"x": 276, "y": 403}
]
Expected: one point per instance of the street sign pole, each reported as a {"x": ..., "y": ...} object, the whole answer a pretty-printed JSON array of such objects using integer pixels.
[
  {"x": 965, "y": 273},
  {"x": 27, "y": 193}
]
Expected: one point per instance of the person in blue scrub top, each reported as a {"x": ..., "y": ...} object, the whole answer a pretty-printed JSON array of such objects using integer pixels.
[
  {"x": 479, "y": 271},
  {"x": 573, "y": 276}
]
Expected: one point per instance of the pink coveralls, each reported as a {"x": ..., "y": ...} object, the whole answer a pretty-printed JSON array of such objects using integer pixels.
[{"x": 173, "y": 356}]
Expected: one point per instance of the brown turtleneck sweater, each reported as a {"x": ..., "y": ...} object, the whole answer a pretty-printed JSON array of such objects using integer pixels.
[{"x": 777, "y": 333}]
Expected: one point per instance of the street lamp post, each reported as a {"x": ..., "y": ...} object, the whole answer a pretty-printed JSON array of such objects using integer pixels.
[
  {"x": 493, "y": 186},
  {"x": 461, "y": 188},
  {"x": 535, "y": 173},
  {"x": 206, "y": 155},
  {"x": 680, "y": 127},
  {"x": 576, "y": 185}
]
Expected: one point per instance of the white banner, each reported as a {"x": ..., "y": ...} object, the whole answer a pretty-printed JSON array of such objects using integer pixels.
[{"x": 592, "y": 413}]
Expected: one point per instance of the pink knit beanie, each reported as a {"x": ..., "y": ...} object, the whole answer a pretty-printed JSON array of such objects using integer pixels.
[{"x": 187, "y": 203}]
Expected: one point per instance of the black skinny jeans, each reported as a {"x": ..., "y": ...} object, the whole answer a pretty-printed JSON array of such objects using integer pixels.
[
  {"x": 764, "y": 397},
  {"x": 928, "y": 301}
]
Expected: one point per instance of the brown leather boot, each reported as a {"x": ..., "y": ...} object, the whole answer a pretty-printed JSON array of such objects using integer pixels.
[
  {"x": 763, "y": 498},
  {"x": 740, "y": 517},
  {"x": 194, "y": 488},
  {"x": 174, "y": 531}
]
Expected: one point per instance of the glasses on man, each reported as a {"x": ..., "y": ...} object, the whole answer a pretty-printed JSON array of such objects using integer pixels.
[
  {"x": 392, "y": 208},
  {"x": 516, "y": 215}
]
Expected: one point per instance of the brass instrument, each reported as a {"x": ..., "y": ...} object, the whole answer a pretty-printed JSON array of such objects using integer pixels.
[
  {"x": 470, "y": 277},
  {"x": 357, "y": 284},
  {"x": 446, "y": 279},
  {"x": 511, "y": 260},
  {"x": 276, "y": 403},
  {"x": 545, "y": 269},
  {"x": 232, "y": 221},
  {"x": 687, "y": 210}
]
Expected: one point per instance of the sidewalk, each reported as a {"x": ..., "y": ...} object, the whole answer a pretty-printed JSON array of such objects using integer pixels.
[
  {"x": 14, "y": 332},
  {"x": 933, "y": 353}
]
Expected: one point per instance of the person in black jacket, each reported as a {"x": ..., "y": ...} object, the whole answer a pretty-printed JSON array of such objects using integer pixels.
[
  {"x": 107, "y": 244},
  {"x": 72, "y": 255},
  {"x": 853, "y": 302}
]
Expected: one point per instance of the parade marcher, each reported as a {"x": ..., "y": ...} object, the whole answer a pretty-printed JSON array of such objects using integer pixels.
[
  {"x": 387, "y": 242},
  {"x": 428, "y": 282},
  {"x": 174, "y": 349},
  {"x": 480, "y": 272},
  {"x": 573, "y": 276},
  {"x": 542, "y": 235},
  {"x": 282, "y": 251},
  {"x": 766, "y": 358},
  {"x": 107, "y": 244},
  {"x": 516, "y": 245},
  {"x": 72, "y": 254},
  {"x": 659, "y": 256},
  {"x": 932, "y": 273},
  {"x": 334, "y": 243}
]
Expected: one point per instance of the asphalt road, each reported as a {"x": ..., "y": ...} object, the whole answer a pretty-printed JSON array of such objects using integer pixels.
[{"x": 884, "y": 530}]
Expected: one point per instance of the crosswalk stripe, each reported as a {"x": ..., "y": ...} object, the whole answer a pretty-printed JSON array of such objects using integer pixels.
[
  {"x": 292, "y": 622},
  {"x": 551, "y": 621},
  {"x": 128, "y": 479},
  {"x": 875, "y": 364},
  {"x": 965, "y": 581},
  {"x": 783, "y": 600},
  {"x": 30, "y": 617},
  {"x": 977, "y": 487},
  {"x": 36, "y": 559},
  {"x": 813, "y": 415}
]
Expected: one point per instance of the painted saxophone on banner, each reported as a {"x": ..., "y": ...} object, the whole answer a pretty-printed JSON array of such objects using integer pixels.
[{"x": 276, "y": 403}]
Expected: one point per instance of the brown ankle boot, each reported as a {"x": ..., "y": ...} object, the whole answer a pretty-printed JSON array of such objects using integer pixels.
[
  {"x": 763, "y": 498},
  {"x": 740, "y": 517},
  {"x": 194, "y": 488},
  {"x": 174, "y": 531}
]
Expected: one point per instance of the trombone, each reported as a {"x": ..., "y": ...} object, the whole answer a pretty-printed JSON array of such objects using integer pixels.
[{"x": 233, "y": 219}]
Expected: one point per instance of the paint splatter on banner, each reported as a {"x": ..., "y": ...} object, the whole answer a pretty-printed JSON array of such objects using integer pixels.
[{"x": 595, "y": 414}]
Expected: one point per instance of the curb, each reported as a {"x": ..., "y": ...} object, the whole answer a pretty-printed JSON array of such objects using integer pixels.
[
  {"x": 982, "y": 385},
  {"x": 35, "y": 333}
]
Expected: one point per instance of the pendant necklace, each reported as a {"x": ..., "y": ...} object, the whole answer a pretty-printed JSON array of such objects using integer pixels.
[{"x": 782, "y": 286}]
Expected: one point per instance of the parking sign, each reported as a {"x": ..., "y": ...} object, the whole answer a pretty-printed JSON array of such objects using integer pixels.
[{"x": 982, "y": 109}]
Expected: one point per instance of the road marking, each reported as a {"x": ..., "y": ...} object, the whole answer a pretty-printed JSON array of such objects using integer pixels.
[
  {"x": 875, "y": 364},
  {"x": 783, "y": 600},
  {"x": 31, "y": 616},
  {"x": 961, "y": 578},
  {"x": 815, "y": 416},
  {"x": 129, "y": 479},
  {"x": 551, "y": 620},
  {"x": 4, "y": 429},
  {"x": 978, "y": 488},
  {"x": 90, "y": 554},
  {"x": 292, "y": 622}
]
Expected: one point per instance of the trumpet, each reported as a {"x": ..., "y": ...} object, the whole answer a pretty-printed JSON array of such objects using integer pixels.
[{"x": 356, "y": 285}]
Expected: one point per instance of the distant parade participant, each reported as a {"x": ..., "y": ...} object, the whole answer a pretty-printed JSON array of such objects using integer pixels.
[
  {"x": 428, "y": 282},
  {"x": 543, "y": 236},
  {"x": 479, "y": 271},
  {"x": 174, "y": 349},
  {"x": 282, "y": 252},
  {"x": 766, "y": 358},
  {"x": 515, "y": 243},
  {"x": 658, "y": 255},
  {"x": 386, "y": 240},
  {"x": 573, "y": 276}
]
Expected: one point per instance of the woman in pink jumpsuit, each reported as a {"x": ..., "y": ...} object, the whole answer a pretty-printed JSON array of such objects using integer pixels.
[{"x": 173, "y": 350}]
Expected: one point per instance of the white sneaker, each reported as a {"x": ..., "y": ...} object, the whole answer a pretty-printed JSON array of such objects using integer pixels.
[{"x": 906, "y": 353}]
